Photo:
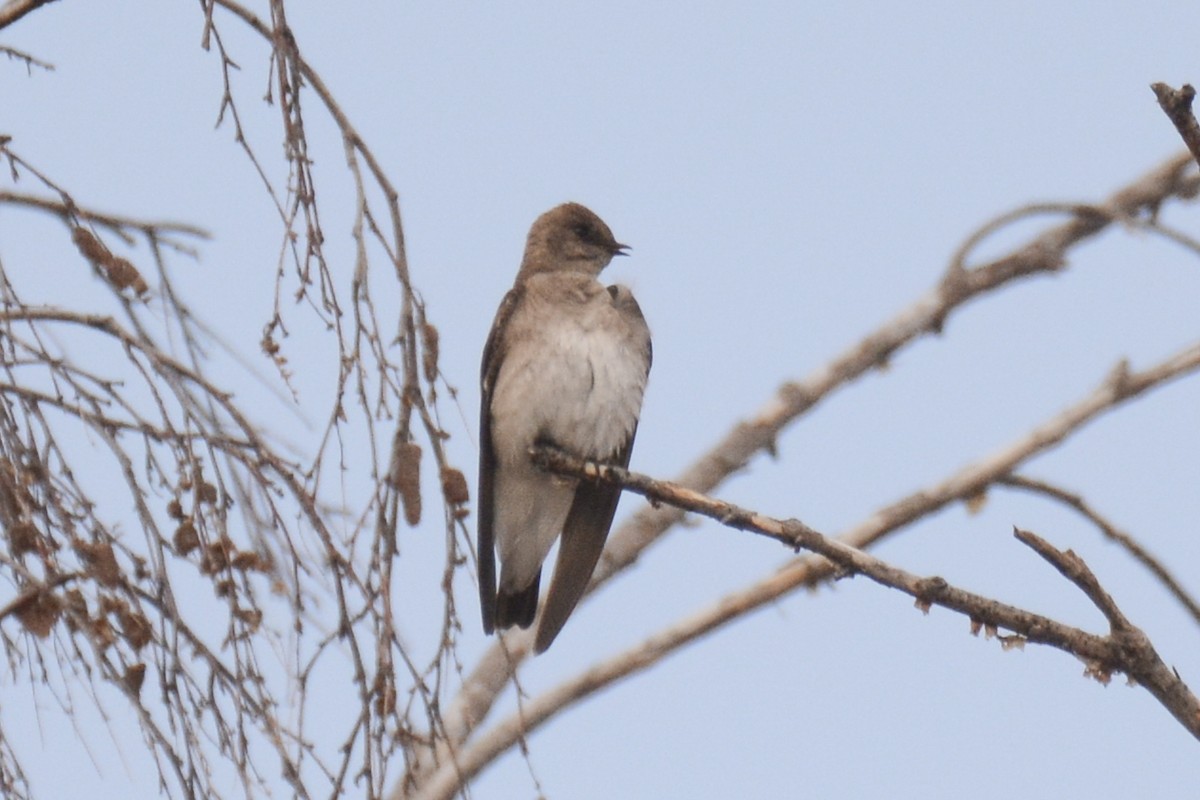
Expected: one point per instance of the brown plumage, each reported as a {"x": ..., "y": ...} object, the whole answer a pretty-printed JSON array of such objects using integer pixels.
[{"x": 565, "y": 363}]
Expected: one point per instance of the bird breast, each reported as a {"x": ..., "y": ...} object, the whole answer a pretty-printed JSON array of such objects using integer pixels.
[{"x": 576, "y": 378}]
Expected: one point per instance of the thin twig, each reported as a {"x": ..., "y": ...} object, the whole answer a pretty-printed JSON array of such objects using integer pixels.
[
  {"x": 30, "y": 60},
  {"x": 116, "y": 222}
]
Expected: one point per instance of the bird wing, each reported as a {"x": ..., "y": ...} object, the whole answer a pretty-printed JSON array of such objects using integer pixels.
[
  {"x": 493, "y": 357},
  {"x": 590, "y": 517}
]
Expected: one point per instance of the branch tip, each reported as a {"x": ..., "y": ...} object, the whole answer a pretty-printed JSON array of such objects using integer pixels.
[{"x": 1177, "y": 105}]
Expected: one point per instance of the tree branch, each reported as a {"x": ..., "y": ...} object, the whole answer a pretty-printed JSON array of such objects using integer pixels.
[
  {"x": 834, "y": 556},
  {"x": 1126, "y": 649},
  {"x": 1043, "y": 254},
  {"x": 117, "y": 223},
  {"x": 1111, "y": 532},
  {"x": 1138, "y": 658},
  {"x": 13, "y": 10},
  {"x": 1177, "y": 105},
  {"x": 29, "y": 60}
]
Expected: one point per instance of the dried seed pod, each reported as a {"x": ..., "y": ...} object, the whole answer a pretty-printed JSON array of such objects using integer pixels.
[
  {"x": 206, "y": 492},
  {"x": 406, "y": 477},
  {"x": 91, "y": 247},
  {"x": 252, "y": 617},
  {"x": 429, "y": 359},
  {"x": 134, "y": 677},
  {"x": 248, "y": 560},
  {"x": 39, "y": 611},
  {"x": 101, "y": 562},
  {"x": 137, "y": 629},
  {"x": 23, "y": 538},
  {"x": 186, "y": 539},
  {"x": 454, "y": 486},
  {"x": 119, "y": 271},
  {"x": 217, "y": 555}
]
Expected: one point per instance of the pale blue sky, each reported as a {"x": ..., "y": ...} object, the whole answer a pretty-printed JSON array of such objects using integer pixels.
[{"x": 789, "y": 176}]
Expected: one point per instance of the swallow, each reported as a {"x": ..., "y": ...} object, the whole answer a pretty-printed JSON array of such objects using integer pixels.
[{"x": 565, "y": 364}]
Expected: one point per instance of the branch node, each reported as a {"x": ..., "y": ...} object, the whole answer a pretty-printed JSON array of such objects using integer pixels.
[
  {"x": 1118, "y": 378},
  {"x": 929, "y": 590}
]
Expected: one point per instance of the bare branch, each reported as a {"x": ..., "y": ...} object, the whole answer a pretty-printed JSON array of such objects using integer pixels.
[
  {"x": 1120, "y": 386},
  {"x": 29, "y": 60},
  {"x": 848, "y": 559},
  {"x": 1077, "y": 211},
  {"x": 1073, "y": 569},
  {"x": 1125, "y": 650},
  {"x": 1177, "y": 105},
  {"x": 13, "y": 10},
  {"x": 115, "y": 222},
  {"x": 1138, "y": 658},
  {"x": 1110, "y": 531}
]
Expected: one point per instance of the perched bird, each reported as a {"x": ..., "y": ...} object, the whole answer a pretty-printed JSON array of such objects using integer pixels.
[{"x": 565, "y": 364}]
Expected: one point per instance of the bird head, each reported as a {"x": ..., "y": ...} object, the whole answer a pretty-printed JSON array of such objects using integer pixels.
[{"x": 572, "y": 238}]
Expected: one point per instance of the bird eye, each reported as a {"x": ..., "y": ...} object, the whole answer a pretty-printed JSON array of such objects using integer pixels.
[{"x": 583, "y": 230}]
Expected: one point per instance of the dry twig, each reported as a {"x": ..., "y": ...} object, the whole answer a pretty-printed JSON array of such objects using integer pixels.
[{"x": 170, "y": 429}]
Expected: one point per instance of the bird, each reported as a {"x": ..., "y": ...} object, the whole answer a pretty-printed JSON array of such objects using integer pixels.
[{"x": 565, "y": 364}]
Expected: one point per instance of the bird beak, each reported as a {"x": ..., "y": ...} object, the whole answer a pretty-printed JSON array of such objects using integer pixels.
[{"x": 620, "y": 249}]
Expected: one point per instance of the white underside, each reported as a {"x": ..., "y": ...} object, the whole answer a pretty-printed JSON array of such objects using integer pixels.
[{"x": 577, "y": 380}]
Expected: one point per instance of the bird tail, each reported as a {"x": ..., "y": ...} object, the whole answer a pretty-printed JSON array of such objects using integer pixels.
[{"x": 518, "y": 608}]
